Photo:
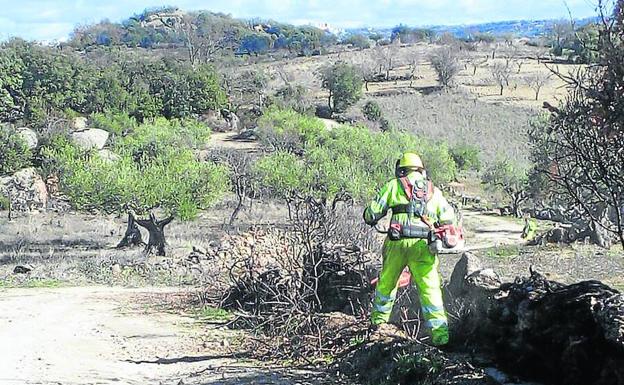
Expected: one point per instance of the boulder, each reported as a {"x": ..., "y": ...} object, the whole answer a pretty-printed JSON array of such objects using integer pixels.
[
  {"x": 108, "y": 155},
  {"x": 91, "y": 138},
  {"x": 26, "y": 190},
  {"x": 467, "y": 265},
  {"x": 29, "y": 136},
  {"x": 23, "y": 269},
  {"x": 79, "y": 123}
]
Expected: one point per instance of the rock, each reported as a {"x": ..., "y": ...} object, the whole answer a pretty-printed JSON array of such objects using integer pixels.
[
  {"x": 29, "y": 136},
  {"x": 200, "y": 250},
  {"x": 91, "y": 138},
  {"x": 26, "y": 190},
  {"x": 497, "y": 375},
  {"x": 467, "y": 265},
  {"x": 116, "y": 269},
  {"x": 23, "y": 269},
  {"x": 79, "y": 123},
  {"x": 108, "y": 155}
]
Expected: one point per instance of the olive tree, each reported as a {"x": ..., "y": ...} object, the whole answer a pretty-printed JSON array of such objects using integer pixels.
[
  {"x": 511, "y": 179},
  {"x": 344, "y": 83},
  {"x": 155, "y": 168}
]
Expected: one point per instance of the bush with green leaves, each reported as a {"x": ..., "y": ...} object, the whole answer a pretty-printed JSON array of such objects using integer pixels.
[
  {"x": 351, "y": 160},
  {"x": 344, "y": 83},
  {"x": 288, "y": 130},
  {"x": 156, "y": 168},
  {"x": 466, "y": 157},
  {"x": 14, "y": 152},
  {"x": 114, "y": 122},
  {"x": 372, "y": 111}
]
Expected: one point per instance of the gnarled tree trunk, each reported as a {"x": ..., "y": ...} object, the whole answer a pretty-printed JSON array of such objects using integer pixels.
[
  {"x": 156, "y": 229},
  {"x": 132, "y": 237}
]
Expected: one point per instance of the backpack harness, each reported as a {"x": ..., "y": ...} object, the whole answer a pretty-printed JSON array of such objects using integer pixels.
[{"x": 418, "y": 194}]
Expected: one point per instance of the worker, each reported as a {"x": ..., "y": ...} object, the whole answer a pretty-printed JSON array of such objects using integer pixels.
[
  {"x": 530, "y": 228},
  {"x": 417, "y": 208}
]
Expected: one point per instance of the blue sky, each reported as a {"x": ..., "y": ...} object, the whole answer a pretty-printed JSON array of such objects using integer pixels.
[{"x": 53, "y": 20}]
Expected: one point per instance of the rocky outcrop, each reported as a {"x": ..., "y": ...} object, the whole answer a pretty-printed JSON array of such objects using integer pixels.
[
  {"x": 25, "y": 189},
  {"x": 91, "y": 138},
  {"x": 78, "y": 123},
  {"x": 28, "y": 136}
]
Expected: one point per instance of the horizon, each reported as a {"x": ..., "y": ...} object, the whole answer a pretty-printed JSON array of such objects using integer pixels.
[{"x": 56, "y": 20}]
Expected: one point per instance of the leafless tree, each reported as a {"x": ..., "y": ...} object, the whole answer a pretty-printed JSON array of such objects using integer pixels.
[
  {"x": 536, "y": 81},
  {"x": 580, "y": 149},
  {"x": 446, "y": 65},
  {"x": 500, "y": 74},
  {"x": 204, "y": 34}
]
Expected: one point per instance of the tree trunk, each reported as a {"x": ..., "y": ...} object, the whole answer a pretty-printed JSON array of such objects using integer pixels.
[
  {"x": 132, "y": 237},
  {"x": 156, "y": 229}
]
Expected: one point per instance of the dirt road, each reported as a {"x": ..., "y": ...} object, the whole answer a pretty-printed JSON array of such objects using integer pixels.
[
  {"x": 103, "y": 335},
  {"x": 484, "y": 231}
]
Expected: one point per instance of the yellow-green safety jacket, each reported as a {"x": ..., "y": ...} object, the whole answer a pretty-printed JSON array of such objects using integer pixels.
[{"x": 393, "y": 196}]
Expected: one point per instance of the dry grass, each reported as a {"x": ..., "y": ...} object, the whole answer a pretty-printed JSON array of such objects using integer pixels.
[{"x": 460, "y": 118}]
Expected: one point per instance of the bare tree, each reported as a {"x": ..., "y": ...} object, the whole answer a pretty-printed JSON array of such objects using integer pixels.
[
  {"x": 580, "y": 150},
  {"x": 500, "y": 74},
  {"x": 536, "y": 81},
  {"x": 204, "y": 34},
  {"x": 446, "y": 65}
]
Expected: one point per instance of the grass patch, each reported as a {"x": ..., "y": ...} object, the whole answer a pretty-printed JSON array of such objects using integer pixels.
[
  {"x": 209, "y": 313},
  {"x": 33, "y": 283},
  {"x": 503, "y": 251}
]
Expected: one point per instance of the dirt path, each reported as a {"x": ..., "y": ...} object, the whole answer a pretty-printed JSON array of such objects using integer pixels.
[
  {"x": 484, "y": 231},
  {"x": 103, "y": 335}
]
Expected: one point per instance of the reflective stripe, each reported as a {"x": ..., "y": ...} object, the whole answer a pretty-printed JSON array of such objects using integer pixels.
[
  {"x": 432, "y": 309},
  {"x": 383, "y": 298},
  {"x": 436, "y": 323},
  {"x": 385, "y": 308}
]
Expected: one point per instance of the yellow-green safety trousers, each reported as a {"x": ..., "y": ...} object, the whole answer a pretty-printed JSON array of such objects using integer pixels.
[{"x": 413, "y": 253}]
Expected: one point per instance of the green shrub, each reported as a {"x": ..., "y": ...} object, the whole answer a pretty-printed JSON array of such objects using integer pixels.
[
  {"x": 14, "y": 152},
  {"x": 372, "y": 111},
  {"x": 288, "y": 130},
  {"x": 170, "y": 177},
  {"x": 114, "y": 122},
  {"x": 346, "y": 159},
  {"x": 466, "y": 157}
]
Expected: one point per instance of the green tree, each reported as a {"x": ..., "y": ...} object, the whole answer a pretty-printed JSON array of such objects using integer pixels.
[
  {"x": 156, "y": 168},
  {"x": 344, "y": 83},
  {"x": 510, "y": 178}
]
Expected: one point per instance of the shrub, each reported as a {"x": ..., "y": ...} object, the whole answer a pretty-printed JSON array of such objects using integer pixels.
[
  {"x": 347, "y": 159},
  {"x": 466, "y": 157},
  {"x": 372, "y": 111},
  {"x": 114, "y": 123},
  {"x": 14, "y": 152},
  {"x": 344, "y": 83},
  {"x": 288, "y": 130}
]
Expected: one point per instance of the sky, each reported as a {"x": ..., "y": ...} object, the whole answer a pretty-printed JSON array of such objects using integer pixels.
[{"x": 49, "y": 20}]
